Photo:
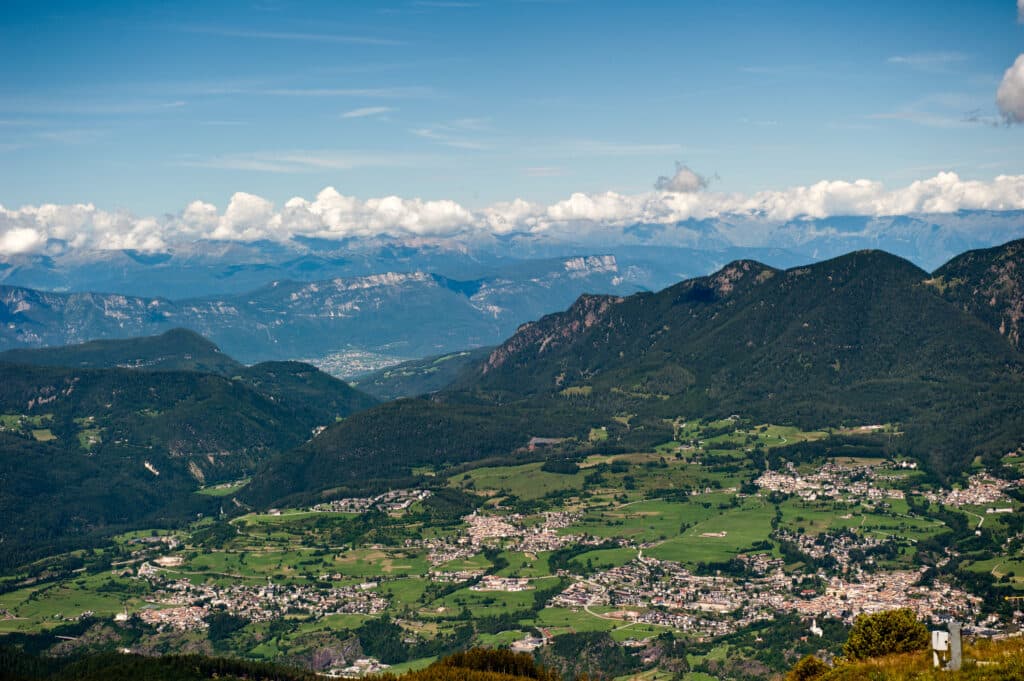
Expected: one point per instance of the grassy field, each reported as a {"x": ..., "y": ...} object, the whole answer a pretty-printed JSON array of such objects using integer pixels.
[
  {"x": 522, "y": 565},
  {"x": 566, "y": 620},
  {"x": 603, "y": 559},
  {"x": 526, "y": 482},
  {"x": 48, "y": 606},
  {"x": 486, "y": 603},
  {"x": 653, "y": 520},
  {"x": 43, "y": 435},
  {"x": 225, "y": 489},
  {"x": 741, "y": 527},
  {"x": 1008, "y": 570},
  {"x": 412, "y": 665}
]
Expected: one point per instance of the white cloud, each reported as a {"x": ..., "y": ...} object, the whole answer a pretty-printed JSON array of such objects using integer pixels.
[
  {"x": 247, "y": 218},
  {"x": 367, "y": 111},
  {"x": 1020, "y": 11},
  {"x": 601, "y": 216},
  {"x": 20, "y": 240},
  {"x": 51, "y": 227},
  {"x": 929, "y": 61},
  {"x": 685, "y": 181},
  {"x": 1010, "y": 96}
]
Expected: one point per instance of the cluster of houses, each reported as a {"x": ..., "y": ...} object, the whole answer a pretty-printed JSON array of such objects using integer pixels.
[
  {"x": 982, "y": 490},
  {"x": 259, "y": 603},
  {"x": 485, "y": 529},
  {"x": 886, "y": 591},
  {"x": 441, "y": 551},
  {"x": 666, "y": 593},
  {"x": 494, "y": 583},
  {"x": 837, "y": 545},
  {"x": 481, "y": 528},
  {"x": 364, "y": 666},
  {"x": 182, "y": 618},
  {"x": 831, "y": 480},
  {"x": 546, "y": 536},
  {"x": 389, "y": 502}
]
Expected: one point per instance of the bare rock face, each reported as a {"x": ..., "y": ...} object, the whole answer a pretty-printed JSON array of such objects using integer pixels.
[
  {"x": 327, "y": 651},
  {"x": 536, "y": 338}
]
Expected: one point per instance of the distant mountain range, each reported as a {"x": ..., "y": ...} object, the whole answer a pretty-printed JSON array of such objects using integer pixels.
[
  {"x": 341, "y": 324},
  {"x": 650, "y": 256},
  {"x": 356, "y": 305}
]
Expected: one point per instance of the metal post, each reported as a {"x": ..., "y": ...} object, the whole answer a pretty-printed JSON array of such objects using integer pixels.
[{"x": 954, "y": 647}]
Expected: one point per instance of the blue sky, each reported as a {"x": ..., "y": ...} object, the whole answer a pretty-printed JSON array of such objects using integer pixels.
[{"x": 148, "y": 106}]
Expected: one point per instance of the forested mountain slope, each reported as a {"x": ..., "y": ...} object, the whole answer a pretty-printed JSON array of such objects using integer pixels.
[
  {"x": 86, "y": 451},
  {"x": 174, "y": 350},
  {"x": 988, "y": 283}
]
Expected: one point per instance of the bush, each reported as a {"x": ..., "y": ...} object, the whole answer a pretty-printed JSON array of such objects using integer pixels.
[
  {"x": 808, "y": 668},
  {"x": 885, "y": 633},
  {"x": 562, "y": 466}
]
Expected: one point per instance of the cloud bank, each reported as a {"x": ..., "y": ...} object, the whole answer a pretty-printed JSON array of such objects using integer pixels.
[{"x": 333, "y": 215}]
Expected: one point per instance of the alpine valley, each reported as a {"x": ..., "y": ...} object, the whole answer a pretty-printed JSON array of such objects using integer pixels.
[{"x": 709, "y": 480}]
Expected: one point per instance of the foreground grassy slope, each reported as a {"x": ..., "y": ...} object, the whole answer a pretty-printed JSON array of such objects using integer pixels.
[{"x": 983, "y": 661}]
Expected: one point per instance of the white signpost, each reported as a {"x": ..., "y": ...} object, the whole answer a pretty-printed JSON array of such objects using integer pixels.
[{"x": 946, "y": 652}]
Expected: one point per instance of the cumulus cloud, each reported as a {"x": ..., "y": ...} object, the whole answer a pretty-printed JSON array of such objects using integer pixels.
[
  {"x": 248, "y": 217},
  {"x": 1010, "y": 96},
  {"x": 20, "y": 240},
  {"x": 51, "y": 228},
  {"x": 685, "y": 181}
]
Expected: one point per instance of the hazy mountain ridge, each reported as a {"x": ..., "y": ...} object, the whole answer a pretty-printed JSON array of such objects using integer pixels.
[{"x": 287, "y": 319}]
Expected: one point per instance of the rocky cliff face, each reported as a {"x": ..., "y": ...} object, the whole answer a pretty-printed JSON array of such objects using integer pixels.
[{"x": 553, "y": 331}]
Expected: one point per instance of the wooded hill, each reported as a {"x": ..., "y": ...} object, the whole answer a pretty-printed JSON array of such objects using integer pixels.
[{"x": 91, "y": 450}]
